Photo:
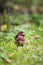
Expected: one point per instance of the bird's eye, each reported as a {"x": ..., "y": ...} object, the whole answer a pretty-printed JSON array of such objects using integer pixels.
[{"x": 23, "y": 35}]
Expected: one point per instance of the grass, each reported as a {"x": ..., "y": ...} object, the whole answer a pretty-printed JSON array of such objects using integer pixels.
[{"x": 30, "y": 54}]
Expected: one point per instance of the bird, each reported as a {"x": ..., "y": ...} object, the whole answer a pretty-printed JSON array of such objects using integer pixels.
[{"x": 20, "y": 38}]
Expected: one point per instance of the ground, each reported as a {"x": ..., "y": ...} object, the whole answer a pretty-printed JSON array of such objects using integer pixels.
[{"x": 30, "y": 54}]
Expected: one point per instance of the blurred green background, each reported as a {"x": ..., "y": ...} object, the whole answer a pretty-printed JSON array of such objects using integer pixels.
[{"x": 15, "y": 12}]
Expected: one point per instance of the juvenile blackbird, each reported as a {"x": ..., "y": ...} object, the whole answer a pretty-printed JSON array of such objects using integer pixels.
[{"x": 20, "y": 38}]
